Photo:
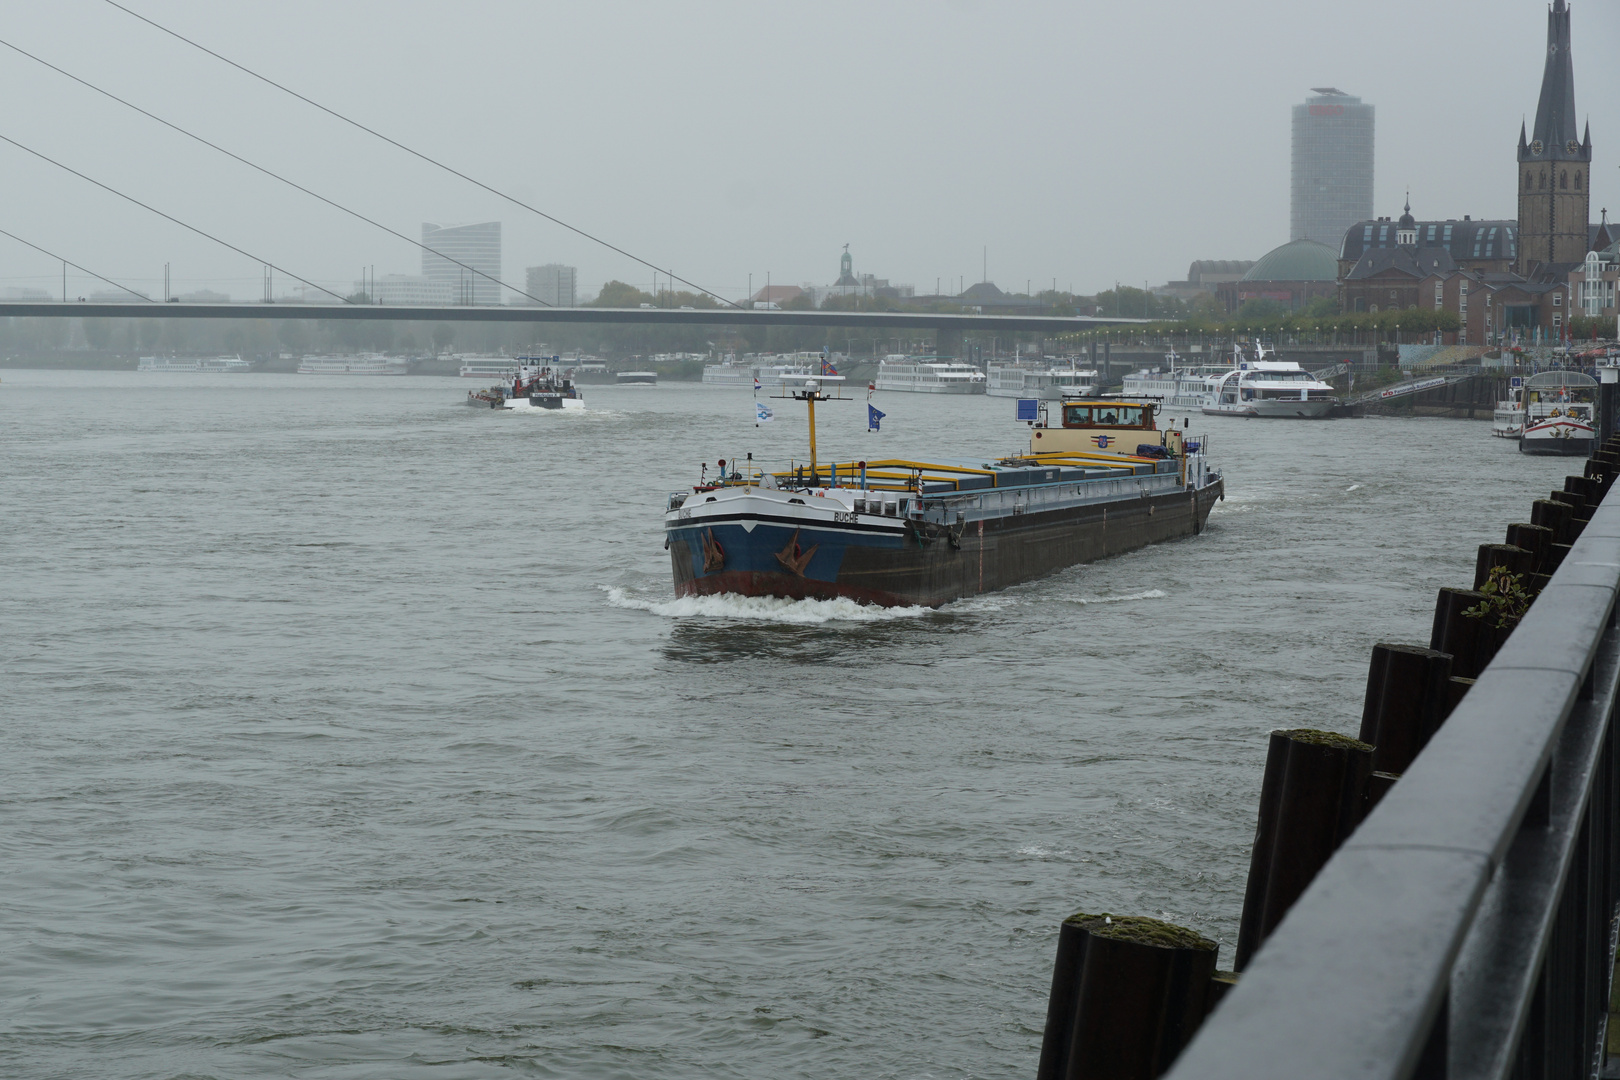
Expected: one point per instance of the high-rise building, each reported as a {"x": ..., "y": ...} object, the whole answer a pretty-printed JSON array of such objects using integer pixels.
[
  {"x": 475, "y": 246},
  {"x": 1332, "y": 185},
  {"x": 552, "y": 284},
  {"x": 1555, "y": 167},
  {"x": 405, "y": 289}
]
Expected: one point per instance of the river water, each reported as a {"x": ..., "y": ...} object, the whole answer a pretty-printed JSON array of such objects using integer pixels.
[{"x": 349, "y": 732}]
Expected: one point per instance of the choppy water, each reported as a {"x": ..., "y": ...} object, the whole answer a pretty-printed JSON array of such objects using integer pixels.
[{"x": 348, "y": 732}]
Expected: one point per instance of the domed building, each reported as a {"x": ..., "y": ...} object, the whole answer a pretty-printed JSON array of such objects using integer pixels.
[{"x": 1291, "y": 275}]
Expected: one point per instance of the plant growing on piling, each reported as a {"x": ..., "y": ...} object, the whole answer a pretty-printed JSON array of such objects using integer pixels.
[{"x": 1506, "y": 599}]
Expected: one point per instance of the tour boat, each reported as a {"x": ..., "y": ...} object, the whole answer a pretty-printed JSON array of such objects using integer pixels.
[
  {"x": 767, "y": 369},
  {"x": 354, "y": 365},
  {"x": 1020, "y": 380},
  {"x": 729, "y": 373},
  {"x": 488, "y": 367},
  {"x": 929, "y": 375},
  {"x": 1507, "y": 422},
  {"x": 1270, "y": 388},
  {"x": 1100, "y": 480},
  {"x": 1559, "y": 413},
  {"x": 212, "y": 365}
]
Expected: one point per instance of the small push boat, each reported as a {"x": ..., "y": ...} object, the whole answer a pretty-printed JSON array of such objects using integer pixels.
[{"x": 539, "y": 384}]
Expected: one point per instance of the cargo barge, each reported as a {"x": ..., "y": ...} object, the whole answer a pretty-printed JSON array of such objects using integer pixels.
[{"x": 899, "y": 532}]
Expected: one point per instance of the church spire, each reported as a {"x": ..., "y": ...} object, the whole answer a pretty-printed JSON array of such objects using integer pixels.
[{"x": 1554, "y": 136}]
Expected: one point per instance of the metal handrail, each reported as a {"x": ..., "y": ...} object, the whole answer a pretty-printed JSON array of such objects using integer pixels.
[{"x": 1464, "y": 929}]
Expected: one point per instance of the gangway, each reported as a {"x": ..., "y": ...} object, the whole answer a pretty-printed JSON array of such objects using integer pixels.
[{"x": 1411, "y": 386}]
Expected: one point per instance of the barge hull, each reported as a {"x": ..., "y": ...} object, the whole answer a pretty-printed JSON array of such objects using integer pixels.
[{"x": 929, "y": 565}]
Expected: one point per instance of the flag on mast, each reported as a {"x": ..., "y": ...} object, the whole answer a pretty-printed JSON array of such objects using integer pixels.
[
  {"x": 762, "y": 413},
  {"x": 873, "y": 417},
  {"x": 756, "y": 384}
]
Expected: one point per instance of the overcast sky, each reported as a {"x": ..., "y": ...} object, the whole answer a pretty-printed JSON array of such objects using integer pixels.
[{"x": 1081, "y": 141}]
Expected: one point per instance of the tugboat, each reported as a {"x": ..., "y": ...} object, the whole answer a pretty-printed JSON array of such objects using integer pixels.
[
  {"x": 1101, "y": 480},
  {"x": 539, "y": 384}
]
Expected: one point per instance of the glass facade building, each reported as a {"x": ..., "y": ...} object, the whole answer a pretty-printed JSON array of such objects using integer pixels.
[
  {"x": 477, "y": 246},
  {"x": 1332, "y": 186},
  {"x": 552, "y": 283}
]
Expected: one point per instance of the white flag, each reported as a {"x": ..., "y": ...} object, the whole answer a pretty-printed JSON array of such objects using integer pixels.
[{"x": 762, "y": 413}]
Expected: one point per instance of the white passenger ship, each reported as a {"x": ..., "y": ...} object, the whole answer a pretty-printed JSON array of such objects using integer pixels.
[
  {"x": 1045, "y": 383},
  {"x": 729, "y": 372},
  {"x": 1272, "y": 388},
  {"x": 767, "y": 368},
  {"x": 1507, "y": 422},
  {"x": 929, "y": 375},
  {"x": 1175, "y": 387},
  {"x": 488, "y": 367},
  {"x": 214, "y": 365},
  {"x": 354, "y": 365}
]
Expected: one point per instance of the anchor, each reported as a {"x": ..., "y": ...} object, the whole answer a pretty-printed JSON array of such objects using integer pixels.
[{"x": 792, "y": 559}]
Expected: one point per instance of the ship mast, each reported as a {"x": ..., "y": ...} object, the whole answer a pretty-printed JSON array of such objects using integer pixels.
[{"x": 810, "y": 394}]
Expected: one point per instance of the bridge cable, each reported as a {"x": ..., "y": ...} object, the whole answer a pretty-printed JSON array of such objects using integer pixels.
[
  {"x": 265, "y": 171},
  {"x": 170, "y": 217},
  {"x": 75, "y": 266},
  {"x": 418, "y": 154}
]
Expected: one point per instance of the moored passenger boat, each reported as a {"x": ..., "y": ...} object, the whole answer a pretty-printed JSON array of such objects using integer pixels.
[
  {"x": 1046, "y": 383},
  {"x": 1507, "y": 421},
  {"x": 1175, "y": 385},
  {"x": 488, "y": 367},
  {"x": 354, "y": 365},
  {"x": 1271, "y": 388},
  {"x": 208, "y": 365},
  {"x": 1102, "y": 480},
  {"x": 928, "y": 375},
  {"x": 1559, "y": 413}
]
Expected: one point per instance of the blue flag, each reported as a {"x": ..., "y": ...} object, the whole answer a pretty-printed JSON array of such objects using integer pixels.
[{"x": 873, "y": 417}]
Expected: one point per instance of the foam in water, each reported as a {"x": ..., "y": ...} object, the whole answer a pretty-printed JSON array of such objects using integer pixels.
[
  {"x": 763, "y": 608},
  {"x": 1150, "y": 594},
  {"x": 1351, "y": 488}
]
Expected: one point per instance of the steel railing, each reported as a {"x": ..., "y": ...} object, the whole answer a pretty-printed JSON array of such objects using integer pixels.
[{"x": 1464, "y": 929}]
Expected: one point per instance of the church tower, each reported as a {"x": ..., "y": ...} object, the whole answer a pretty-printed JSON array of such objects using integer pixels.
[{"x": 1555, "y": 167}]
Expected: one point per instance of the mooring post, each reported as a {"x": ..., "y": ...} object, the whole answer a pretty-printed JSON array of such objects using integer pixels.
[
  {"x": 1579, "y": 515},
  {"x": 1536, "y": 539},
  {"x": 1408, "y": 688},
  {"x": 1128, "y": 994},
  {"x": 1555, "y": 516},
  {"x": 1464, "y": 638},
  {"x": 1313, "y": 796},
  {"x": 1515, "y": 559},
  {"x": 1588, "y": 488}
]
